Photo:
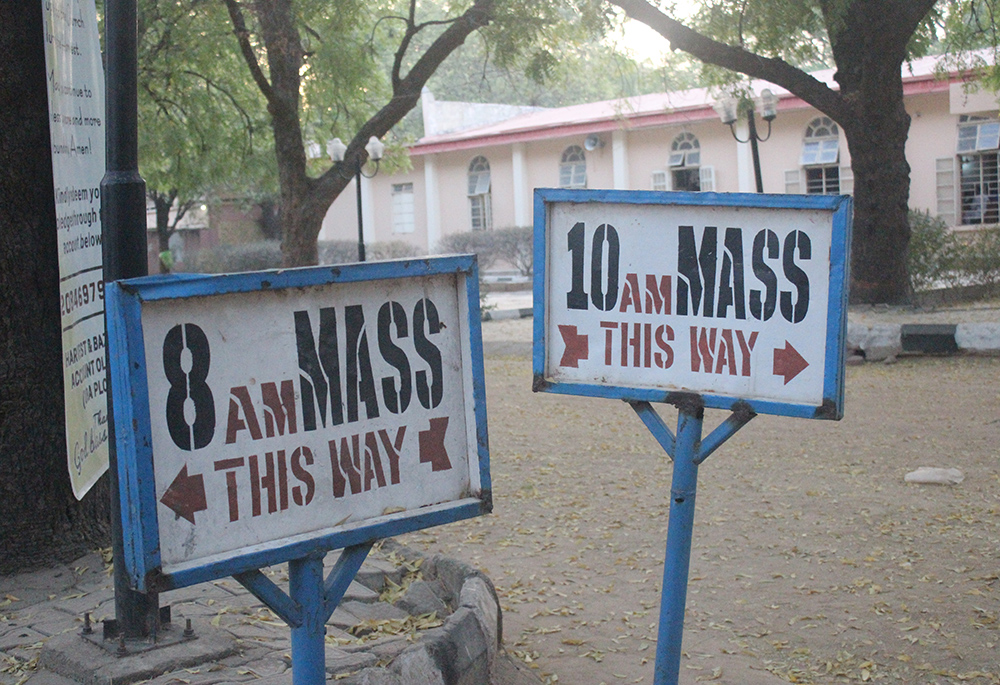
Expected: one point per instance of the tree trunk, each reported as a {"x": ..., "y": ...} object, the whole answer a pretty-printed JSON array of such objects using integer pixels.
[
  {"x": 305, "y": 200},
  {"x": 869, "y": 51},
  {"x": 42, "y": 521},
  {"x": 881, "y": 192},
  {"x": 162, "y": 204}
]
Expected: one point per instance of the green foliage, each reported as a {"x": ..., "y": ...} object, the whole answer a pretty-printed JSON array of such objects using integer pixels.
[
  {"x": 968, "y": 31},
  {"x": 391, "y": 249},
  {"x": 513, "y": 246},
  {"x": 516, "y": 247},
  {"x": 793, "y": 30},
  {"x": 337, "y": 251},
  {"x": 346, "y": 251},
  {"x": 265, "y": 254},
  {"x": 939, "y": 257},
  {"x": 480, "y": 243},
  {"x": 201, "y": 125},
  {"x": 933, "y": 253},
  {"x": 980, "y": 262}
]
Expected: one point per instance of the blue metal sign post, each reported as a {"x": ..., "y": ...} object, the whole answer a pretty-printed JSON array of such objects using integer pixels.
[
  {"x": 275, "y": 416},
  {"x": 699, "y": 300}
]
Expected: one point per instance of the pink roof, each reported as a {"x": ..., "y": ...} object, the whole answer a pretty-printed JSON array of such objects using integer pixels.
[{"x": 642, "y": 111}]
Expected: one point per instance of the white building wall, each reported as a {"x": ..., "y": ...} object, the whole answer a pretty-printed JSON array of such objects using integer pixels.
[{"x": 518, "y": 168}]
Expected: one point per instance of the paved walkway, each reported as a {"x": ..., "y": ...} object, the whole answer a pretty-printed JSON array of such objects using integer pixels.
[
  {"x": 429, "y": 605},
  {"x": 42, "y": 612}
]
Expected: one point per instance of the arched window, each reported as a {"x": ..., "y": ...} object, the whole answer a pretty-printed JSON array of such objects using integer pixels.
[
  {"x": 480, "y": 206},
  {"x": 821, "y": 157},
  {"x": 573, "y": 168},
  {"x": 686, "y": 172}
]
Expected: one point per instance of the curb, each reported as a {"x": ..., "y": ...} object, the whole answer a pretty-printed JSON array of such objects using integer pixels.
[
  {"x": 881, "y": 341},
  {"x": 463, "y": 651},
  {"x": 502, "y": 314}
]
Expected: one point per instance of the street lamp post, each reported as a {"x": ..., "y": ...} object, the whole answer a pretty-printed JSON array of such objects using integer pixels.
[
  {"x": 375, "y": 149},
  {"x": 728, "y": 112}
]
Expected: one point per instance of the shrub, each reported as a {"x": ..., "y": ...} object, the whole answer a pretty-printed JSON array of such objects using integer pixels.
[
  {"x": 257, "y": 256},
  {"x": 346, "y": 251},
  {"x": 980, "y": 257},
  {"x": 938, "y": 256},
  {"x": 516, "y": 247},
  {"x": 393, "y": 249},
  {"x": 483, "y": 244},
  {"x": 933, "y": 255},
  {"x": 512, "y": 245}
]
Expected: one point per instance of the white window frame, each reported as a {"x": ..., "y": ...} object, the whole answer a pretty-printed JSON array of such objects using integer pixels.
[
  {"x": 945, "y": 188},
  {"x": 978, "y": 145},
  {"x": 685, "y": 158},
  {"x": 480, "y": 201},
  {"x": 573, "y": 168},
  {"x": 403, "y": 211},
  {"x": 820, "y": 151}
]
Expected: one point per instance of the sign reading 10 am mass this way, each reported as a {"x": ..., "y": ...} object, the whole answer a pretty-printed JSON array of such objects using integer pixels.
[
  {"x": 736, "y": 298},
  {"x": 275, "y": 414}
]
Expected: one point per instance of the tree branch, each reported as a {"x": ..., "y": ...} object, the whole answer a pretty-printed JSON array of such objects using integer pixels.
[
  {"x": 243, "y": 36},
  {"x": 406, "y": 93},
  {"x": 777, "y": 71}
]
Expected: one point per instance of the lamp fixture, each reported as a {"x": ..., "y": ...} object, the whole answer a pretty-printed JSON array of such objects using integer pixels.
[{"x": 338, "y": 151}]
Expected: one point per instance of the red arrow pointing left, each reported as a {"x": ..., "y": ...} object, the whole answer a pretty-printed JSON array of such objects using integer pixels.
[
  {"x": 577, "y": 346},
  {"x": 186, "y": 495}
]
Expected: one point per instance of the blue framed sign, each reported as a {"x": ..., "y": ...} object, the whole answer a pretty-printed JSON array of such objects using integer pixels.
[
  {"x": 654, "y": 296},
  {"x": 264, "y": 416}
]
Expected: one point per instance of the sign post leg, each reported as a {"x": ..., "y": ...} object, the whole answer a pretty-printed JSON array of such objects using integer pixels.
[
  {"x": 678, "y": 558},
  {"x": 305, "y": 586}
]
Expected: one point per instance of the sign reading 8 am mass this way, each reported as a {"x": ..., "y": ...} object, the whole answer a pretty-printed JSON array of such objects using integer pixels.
[
  {"x": 296, "y": 410},
  {"x": 737, "y": 298}
]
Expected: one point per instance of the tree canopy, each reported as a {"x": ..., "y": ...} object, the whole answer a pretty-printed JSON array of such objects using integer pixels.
[
  {"x": 868, "y": 41},
  {"x": 203, "y": 125},
  {"x": 317, "y": 65}
]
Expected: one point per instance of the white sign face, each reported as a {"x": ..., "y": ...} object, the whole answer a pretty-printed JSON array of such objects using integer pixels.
[
  {"x": 721, "y": 300},
  {"x": 76, "y": 125},
  {"x": 288, "y": 413}
]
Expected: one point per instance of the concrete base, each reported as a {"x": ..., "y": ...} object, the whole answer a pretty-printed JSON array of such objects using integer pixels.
[{"x": 74, "y": 657}]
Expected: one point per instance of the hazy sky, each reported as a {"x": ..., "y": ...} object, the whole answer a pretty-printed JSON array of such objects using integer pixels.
[{"x": 645, "y": 43}]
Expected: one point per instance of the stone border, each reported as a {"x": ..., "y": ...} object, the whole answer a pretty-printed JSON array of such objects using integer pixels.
[
  {"x": 502, "y": 314},
  {"x": 464, "y": 650},
  {"x": 881, "y": 341}
]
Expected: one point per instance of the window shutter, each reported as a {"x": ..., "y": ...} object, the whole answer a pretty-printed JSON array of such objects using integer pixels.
[
  {"x": 945, "y": 187},
  {"x": 846, "y": 180},
  {"x": 706, "y": 179},
  {"x": 660, "y": 180},
  {"x": 403, "y": 219},
  {"x": 793, "y": 184}
]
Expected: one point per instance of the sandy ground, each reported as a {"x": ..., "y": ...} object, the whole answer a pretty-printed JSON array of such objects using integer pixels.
[{"x": 813, "y": 561}]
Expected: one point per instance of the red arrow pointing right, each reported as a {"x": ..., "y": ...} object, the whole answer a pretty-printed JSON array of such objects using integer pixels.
[
  {"x": 788, "y": 363},
  {"x": 186, "y": 495}
]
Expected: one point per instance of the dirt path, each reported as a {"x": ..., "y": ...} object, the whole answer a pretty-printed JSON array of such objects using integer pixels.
[{"x": 813, "y": 561}]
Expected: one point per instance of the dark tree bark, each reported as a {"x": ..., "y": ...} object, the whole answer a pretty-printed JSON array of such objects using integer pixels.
[
  {"x": 162, "y": 203},
  {"x": 42, "y": 521},
  {"x": 305, "y": 200},
  {"x": 869, "y": 46}
]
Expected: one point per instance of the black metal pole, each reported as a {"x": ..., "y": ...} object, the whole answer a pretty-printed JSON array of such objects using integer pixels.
[
  {"x": 361, "y": 225},
  {"x": 752, "y": 123},
  {"x": 123, "y": 221}
]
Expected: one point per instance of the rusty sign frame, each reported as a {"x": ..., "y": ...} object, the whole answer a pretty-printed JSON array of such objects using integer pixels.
[
  {"x": 840, "y": 209},
  {"x": 132, "y": 421}
]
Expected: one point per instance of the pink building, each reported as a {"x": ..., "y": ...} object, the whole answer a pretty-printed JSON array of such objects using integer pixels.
[{"x": 482, "y": 176}]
